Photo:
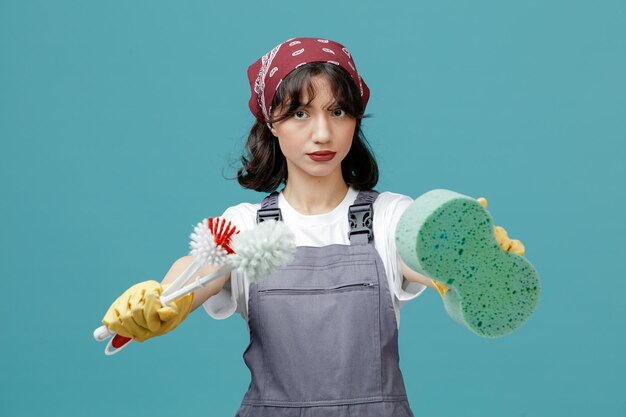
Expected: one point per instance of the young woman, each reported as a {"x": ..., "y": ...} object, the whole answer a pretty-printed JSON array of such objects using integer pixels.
[{"x": 324, "y": 329}]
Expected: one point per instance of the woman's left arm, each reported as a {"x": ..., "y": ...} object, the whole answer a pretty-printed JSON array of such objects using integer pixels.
[{"x": 413, "y": 276}]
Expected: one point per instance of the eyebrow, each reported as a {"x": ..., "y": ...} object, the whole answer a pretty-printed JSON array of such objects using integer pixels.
[{"x": 308, "y": 106}]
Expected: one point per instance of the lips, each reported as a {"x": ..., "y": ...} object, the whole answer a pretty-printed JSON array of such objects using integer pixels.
[{"x": 322, "y": 155}]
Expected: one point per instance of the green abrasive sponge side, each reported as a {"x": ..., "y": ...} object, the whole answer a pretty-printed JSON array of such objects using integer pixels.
[{"x": 449, "y": 237}]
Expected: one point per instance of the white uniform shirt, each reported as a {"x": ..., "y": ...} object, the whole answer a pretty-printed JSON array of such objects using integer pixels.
[{"x": 322, "y": 230}]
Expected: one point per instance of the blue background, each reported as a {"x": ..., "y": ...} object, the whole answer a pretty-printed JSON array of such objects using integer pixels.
[{"x": 120, "y": 119}]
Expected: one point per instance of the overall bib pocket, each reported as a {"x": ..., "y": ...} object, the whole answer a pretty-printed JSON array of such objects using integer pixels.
[{"x": 325, "y": 335}]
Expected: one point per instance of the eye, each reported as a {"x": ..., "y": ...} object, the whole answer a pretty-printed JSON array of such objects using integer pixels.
[
  {"x": 339, "y": 113},
  {"x": 299, "y": 114}
]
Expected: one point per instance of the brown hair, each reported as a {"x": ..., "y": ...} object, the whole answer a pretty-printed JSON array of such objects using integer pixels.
[{"x": 264, "y": 167}]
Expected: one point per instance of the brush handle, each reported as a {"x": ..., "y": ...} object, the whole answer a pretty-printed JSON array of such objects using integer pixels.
[
  {"x": 199, "y": 282},
  {"x": 102, "y": 333},
  {"x": 117, "y": 342},
  {"x": 184, "y": 276}
]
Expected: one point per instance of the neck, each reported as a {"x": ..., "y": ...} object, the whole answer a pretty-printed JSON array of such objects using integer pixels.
[{"x": 315, "y": 195}]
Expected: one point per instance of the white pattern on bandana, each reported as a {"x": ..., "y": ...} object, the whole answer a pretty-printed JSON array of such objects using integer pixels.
[{"x": 259, "y": 84}]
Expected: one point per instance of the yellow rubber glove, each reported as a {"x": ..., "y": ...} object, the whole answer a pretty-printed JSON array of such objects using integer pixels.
[
  {"x": 441, "y": 288},
  {"x": 502, "y": 237},
  {"x": 138, "y": 312}
]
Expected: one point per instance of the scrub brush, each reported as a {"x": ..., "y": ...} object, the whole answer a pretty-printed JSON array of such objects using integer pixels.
[{"x": 257, "y": 252}]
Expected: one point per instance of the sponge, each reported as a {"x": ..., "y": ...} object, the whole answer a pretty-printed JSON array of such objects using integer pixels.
[{"x": 449, "y": 237}]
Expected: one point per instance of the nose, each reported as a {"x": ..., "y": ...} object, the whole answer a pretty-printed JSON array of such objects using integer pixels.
[{"x": 322, "y": 129}]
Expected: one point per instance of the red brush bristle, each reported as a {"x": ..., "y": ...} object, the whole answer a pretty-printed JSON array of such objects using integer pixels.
[{"x": 222, "y": 231}]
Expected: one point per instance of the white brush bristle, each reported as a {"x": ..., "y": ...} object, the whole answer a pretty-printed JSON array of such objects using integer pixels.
[
  {"x": 203, "y": 245},
  {"x": 263, "y": 249}
]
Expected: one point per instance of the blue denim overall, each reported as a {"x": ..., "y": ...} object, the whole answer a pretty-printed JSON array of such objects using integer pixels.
[{"x": 323, "y": 332}]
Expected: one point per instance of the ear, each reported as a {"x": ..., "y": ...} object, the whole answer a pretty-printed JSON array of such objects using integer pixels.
[{"x": 274, "y": 131}]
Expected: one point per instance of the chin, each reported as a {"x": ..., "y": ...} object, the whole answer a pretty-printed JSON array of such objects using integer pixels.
[{"x": 324, "y": 171}]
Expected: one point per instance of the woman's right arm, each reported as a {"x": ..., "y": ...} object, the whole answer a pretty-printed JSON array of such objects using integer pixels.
[{"x": 201, "y": 294}]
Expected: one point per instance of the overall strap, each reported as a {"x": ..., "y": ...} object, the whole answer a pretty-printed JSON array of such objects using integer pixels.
[
  {"x": 269, "y": 209},
  {"x": 361, "y": 218},
  {"x": 360, "y": 215}
]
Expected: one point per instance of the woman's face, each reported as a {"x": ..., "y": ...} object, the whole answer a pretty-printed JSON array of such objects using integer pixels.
[{"x": 316, "y": 138}]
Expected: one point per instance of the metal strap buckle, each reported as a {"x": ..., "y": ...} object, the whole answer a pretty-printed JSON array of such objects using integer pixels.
[
  {"x": 268, "y": 214},
  {"x": 361, "y": 217}
]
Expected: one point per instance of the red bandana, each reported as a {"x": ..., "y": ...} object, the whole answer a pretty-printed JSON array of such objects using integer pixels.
[{"x": 266, "y": 74}]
